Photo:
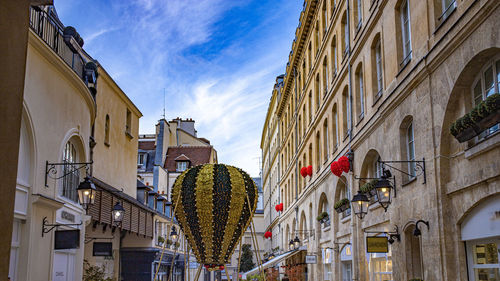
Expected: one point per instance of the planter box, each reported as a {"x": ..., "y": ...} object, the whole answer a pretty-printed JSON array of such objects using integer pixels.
[
  {"x": 342, "y": 208},
  {"x": 489, "y": 121}
]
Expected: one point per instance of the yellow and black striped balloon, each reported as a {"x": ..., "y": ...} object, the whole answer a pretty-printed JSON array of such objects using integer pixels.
[{"x": 213, "y": 209}]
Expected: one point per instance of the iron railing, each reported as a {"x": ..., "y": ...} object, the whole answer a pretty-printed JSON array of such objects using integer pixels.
[{"x": 52, "y": 34}]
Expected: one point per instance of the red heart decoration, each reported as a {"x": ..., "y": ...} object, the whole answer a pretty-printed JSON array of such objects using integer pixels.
[
  {"x": 336, "y": 169},
  {"x": 310, "y": 170},
  {"x": 281, "y": 207},
  {"x": 344, "y": 164},
  {"x": 303, "y": 172}
]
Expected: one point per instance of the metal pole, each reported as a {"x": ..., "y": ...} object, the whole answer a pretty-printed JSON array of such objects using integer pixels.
[
  {"x": 239, "y": 262},
  {"x": 172, "y": 264},
  {"x": 227, "y": 274},
  {"x": 198, "y": 273},
  {"x": 254, "y": 240},
  {"x": 163, "y": 248}
]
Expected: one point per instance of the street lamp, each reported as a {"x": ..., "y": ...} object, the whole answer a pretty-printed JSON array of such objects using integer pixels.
[
  {"x": 296, "y": 242},
  {"x": 86, "y": 193},
  {"x": 384, "y": 187},
  {"x": 117, "y": 212},
  {"x": 360, "y": 204},
  {"x": 173, "y": 235},
  {"x": 291, "y": 244},
  {"x": 417, "y": 231}
]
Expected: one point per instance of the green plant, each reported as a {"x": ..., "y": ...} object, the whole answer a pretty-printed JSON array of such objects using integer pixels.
[
  {"x": 322, "y": 216},
  {"x": 93, "y": 273},
  {"x": 276, "y": 249},
  {"x": 341, "y": 203},
  {"x": 177, "y": 244},
  {"x": 367, "y": 187},
  {"x": 480, "y": 111},
  {"x": 161, "y": 239},
  {"x": 255, "y": 277},
  {"x": 246, "y": 258},
  {"x": 169, "y": 242}
]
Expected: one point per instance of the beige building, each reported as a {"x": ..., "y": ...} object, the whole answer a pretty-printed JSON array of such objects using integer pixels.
[
  {"x": 383, "y": 81},
  {"x": 58, "y": 113}
]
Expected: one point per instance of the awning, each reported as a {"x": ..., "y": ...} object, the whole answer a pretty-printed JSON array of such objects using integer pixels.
[{"x": 270, "y": 263}]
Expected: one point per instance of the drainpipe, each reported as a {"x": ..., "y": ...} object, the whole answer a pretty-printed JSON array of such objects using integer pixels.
[{"x": 353, "y": 224}]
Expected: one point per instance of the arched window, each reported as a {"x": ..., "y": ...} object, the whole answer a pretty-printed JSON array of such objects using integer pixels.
[
  {"x": 325, "y": 19},
  {"x": 309, "y": 56},
  {"x": 299, "y": 122},
  {"x": 317, "y": 92},
  {"x": 408, "y": 146},
  {"x": 324, "y": 207},
  {"x": 344, "y": 193},
  {"x": 310, "y": 155},
  {"x": 333, "y": 6},
  {"x": 334, "y": 56},
  {"x": 72, "y": 179},
  {"x": 345, "y": 36},
  {"x": 413, "y": 256},
  {"x": 310, "y": 107},
  {"x": 326, "y": 151},
  {"x": 358, "y": 14},
  {"x": 377, "y": 71},
  {"x": 404, "y": 15},
  {"x": 318, "y": 152},
  {"x": 486, "y": 84},
  {"x": 304, "y": 75},
  {"x": 345, "y": 112},
  {"x": 325, "y": 75},
  {"x": 316, "y": 38},
  {"x": 360, "y": 97},
  {"x": 106, "y": 131},
  {"x": 304, "y": 126},
  {"x": 303, "y": 226},
  {"x": 335, "y": 127}
]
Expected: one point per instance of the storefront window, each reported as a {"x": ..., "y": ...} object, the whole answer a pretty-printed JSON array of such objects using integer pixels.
[
  {"x": 485, "y": 260},
  {"x": 380, "y": 267},
  {"x": 327, "y": 263},
  {"x": 346, "y": 263}
]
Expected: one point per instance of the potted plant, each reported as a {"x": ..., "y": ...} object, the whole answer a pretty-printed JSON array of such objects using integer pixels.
[
  {"x": 480, "y": 118},
  {"x": 342, "y": 205},
  {"x": 177, "y": 244},
  {"x": 323, "y": 217},
  {"x": 161, "y": 240},
  {"x": 369, "y": 188},
  {"x": 169, "y": 242}
]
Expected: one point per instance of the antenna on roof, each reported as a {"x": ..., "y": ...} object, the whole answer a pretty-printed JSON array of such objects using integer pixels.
[{"x": 164, "y": 101}]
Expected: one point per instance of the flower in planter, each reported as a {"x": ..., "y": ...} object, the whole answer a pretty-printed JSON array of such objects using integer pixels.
[
  {"x": 161, "y": 240},
  {"x": 321, "y": 217},
  {"x": 369, "y": 187},
  {"x": 341, "y": 205}
]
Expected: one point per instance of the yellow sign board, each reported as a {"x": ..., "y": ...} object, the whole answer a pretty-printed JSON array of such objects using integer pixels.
[{"x": 375, "y": 244}]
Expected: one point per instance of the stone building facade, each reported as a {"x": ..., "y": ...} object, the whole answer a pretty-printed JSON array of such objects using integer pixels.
[{"x": 379, "y": 81}]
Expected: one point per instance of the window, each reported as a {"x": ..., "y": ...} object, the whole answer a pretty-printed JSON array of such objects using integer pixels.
[
  {"x": 358, "y": 14},
  {"x": 325, "y": 19},
  {"x": 335, "y": 127},
  {"x": 310, "y": 107},
  {"x": 304, "y": 121},
  {"x": 345, "y": 112},
  {"x": 411, "y": 151},
  {"x": 404, "y": 11},
  {"x": 447, "y": 7},
  {"x": 325, "y": 207},
  {"x": 380, "y": 266},
  {"x": 182, "y": 166},
  {"x": 345, "y": 36},
  {"x": 141, "y": 159},
  {"x": 377, "y": 60},
  {"x": 325, "y": 75},
  {"x": 106, "y": 131},
  {"x": 72, "y": 179},
  {"x": 334, "y": 56},
  {"x": 15, "y": 249},
  {"x": 346, "y": 263},
  {"x": 360, "y": 97},
  {"x": 487, "y": 83},
  {"x": 317, "y": 92},
  {"x": 316, "y": 38},
  {"x": 128, "y": 126},
  {"x": 333, "y": 6},
  {"x": 485, "y": 264},
  {"x": 326, "y": 151},
  {"x": 318, "y": 152},
  {"x": 309, "y": 56}
]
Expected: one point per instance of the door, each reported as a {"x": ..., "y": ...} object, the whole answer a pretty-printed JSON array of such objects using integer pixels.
[{"x": 483, "y": 257}]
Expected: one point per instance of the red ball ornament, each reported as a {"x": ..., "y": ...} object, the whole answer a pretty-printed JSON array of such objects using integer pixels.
[
  {"x": 303, "y": 172},
  {"x": 268, "y": 234},
  {"x": 310, "y": 170},
  {"x": 221, "y": 267},
  {"x": 344, "y": 164},
  {"x": 336, "y": 169},
  {"x": 277, "y": 207}
]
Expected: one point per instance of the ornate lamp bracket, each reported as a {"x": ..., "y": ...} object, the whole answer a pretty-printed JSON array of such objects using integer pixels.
[
  {"x": 51, "y": 169},
  {"x": 419, "y": 167}
]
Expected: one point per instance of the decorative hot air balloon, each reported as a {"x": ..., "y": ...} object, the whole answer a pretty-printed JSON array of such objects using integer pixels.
[{"x": 213, "y": 210}]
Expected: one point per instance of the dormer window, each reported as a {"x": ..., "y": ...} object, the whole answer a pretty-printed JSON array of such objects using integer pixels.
[
  {"x": 182, "y": 166},
  {"x": 141, "y": 160}
]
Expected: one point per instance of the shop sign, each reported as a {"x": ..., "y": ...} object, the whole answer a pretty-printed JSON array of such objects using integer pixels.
[
  {"x": 376, "y": 244},
  {"x": 311, "y": 259},
  {"x": 67, "y": 239}
]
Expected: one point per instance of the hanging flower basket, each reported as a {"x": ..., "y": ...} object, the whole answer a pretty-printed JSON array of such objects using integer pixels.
[
  {"x": 369, "y": 188},
  {"x": 481, "y": 117},
  {"x": 342, "y": 205}
]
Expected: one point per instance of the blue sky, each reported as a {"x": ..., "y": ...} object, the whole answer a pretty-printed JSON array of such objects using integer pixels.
[{"x": 217, "y": 61}]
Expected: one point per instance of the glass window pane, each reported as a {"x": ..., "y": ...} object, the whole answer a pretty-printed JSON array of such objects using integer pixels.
[
  {"x": 486, "y": 253},
  {"x": 478, "y": 95},
  {"x": 498, "y": 76},
  {"x": 488, "y": 81},
  {"x": 486, "y": 274}
]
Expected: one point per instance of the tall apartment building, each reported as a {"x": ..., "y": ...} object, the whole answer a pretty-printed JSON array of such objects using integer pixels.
[{"x": 382, "y": 82}]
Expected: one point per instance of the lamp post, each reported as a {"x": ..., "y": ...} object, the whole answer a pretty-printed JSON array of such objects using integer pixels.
[
  {"x": 173, "y": 235},
  {"x": 296, "y": 242},
  {"x": 360, "y": 204},
  {"x": 291, "y": 244},
  {"x": 417, "y": 231},
  {"x": 86, "y": 193}
]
